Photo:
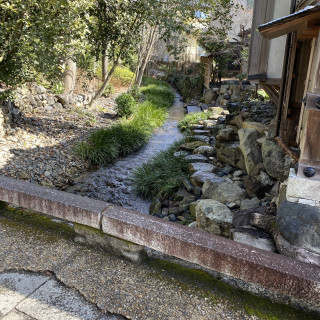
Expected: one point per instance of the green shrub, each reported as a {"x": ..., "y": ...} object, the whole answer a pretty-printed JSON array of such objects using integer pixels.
[
  {"x": 135, "y": 92},
  {"x": 109, "y": 90},
  {"x": 125, "y": 104},
  {"x": 122, "y": 76},
  {"x": 127, "y": 136},
  {"x": 192, "y": 119},
  {"x": 163, "y": 174}
]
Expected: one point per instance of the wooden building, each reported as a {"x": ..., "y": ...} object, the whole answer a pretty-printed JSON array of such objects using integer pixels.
[{"x": 285, "y": 60}]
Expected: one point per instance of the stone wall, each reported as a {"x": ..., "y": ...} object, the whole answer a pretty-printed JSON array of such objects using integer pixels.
[
  {"x": 229, "y": 93},
  {"x": 36, "y": 99}
]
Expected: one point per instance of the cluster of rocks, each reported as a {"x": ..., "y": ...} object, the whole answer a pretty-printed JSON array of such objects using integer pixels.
[
  {"x": 34, "y": 99},
  {"x": 42, "y": 130},
  {"x": 229, "y": 92},
  {"x": 236, "y": 169}
]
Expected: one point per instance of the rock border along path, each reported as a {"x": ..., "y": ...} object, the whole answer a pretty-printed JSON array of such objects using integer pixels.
[{"x": 113, "y": 183}]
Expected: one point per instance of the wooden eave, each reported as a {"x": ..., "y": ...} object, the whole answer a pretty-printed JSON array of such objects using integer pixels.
[{"x": 306, "y": 23}]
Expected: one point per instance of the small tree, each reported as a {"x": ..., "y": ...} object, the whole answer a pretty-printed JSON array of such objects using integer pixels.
[{"x": 33, "y": 37}]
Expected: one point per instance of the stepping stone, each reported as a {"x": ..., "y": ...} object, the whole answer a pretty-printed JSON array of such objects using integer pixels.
[
  {"x": 181, "y": 154},
  {"x": 202, "y": 132},
  {"x": 198, "y": 166},
  {"x": 201, "y": 138},
  {"x": 190, "y": 146},
  {"x": 197, "y": 127},
  {"x": 193, "y": 109},
  {"x": 196, "y": 158},
  {"x": 200, "y": 177}
]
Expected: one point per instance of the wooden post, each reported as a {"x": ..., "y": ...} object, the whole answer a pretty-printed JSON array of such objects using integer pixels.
[{"x": 310, "y": 151}]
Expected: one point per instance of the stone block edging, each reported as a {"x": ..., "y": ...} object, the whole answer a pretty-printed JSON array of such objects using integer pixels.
[{"x": 295, "y": 279}]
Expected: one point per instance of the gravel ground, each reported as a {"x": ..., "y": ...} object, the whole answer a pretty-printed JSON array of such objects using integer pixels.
[{"x": 40, "y": 149}]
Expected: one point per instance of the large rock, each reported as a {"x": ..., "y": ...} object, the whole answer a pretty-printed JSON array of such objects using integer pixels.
[
  {"x": 262, "y": 128},
  {"x": 200, "y": 177},
  {"x": 300, "y": 225},
  {"x": 205, "y": 150},
  {"x": 227, "y": 134},
  {"x": 214, "y": 217},
  {"x": 210, "y": 186},
  {"x": 230, "y": 153},
  {"x": 276, "y": 162},
  {"x": 250, "y": 148},
  {"x": 228, "y": 193}
]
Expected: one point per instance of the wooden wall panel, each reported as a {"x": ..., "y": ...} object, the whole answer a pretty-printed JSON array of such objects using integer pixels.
[{"x": 259, "y": 49}]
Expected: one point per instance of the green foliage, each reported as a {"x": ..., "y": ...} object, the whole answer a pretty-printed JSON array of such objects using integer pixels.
[
  {"x": 135, "y": 92},
  {"x": 33, "y": 37},
  {"x": 192, "y": 119},
  {"x": 189, "y": 86},
  {"x": 106, "y": 145},
  {"x": 109, "y": 90},
  {"x": 122, "y": 76},
  {"x": 263, "y": 95},
  {"x": 163, "y": 174},
  {"x": 125, "y": 104}
]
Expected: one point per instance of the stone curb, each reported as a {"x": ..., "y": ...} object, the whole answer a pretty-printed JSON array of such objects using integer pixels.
[
  {"x": 295, "y": 279},
  {"x": 53, "y": 202}
]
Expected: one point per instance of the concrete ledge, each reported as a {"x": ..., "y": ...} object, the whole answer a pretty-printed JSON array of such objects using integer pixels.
[
  {"x": 304, "y": 190},
  {"x": 55, "y": 203},
  {"x": 278, "y": 273}
]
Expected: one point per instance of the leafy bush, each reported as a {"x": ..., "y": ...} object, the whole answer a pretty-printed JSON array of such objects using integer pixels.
[
  {"x": 135, "y": 92},
  {"x": 192, "y": 119},
  {"x": 122, "y": 77},
  {"x": 109, "y": 90},
  {"x": 125, "y": 104},
  {"x": 127, "y": 136},
  {"x": 163, "y": 174}
]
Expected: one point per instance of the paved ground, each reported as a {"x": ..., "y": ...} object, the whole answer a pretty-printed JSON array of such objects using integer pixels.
[{"x": 45, "y": 275}]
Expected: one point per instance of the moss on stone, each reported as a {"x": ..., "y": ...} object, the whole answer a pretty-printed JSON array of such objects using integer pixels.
[
  {"x": 260, "y": 307},
  {"x": 24, "y": 217}
]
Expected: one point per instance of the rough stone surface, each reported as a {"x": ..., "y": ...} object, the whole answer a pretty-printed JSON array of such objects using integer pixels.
[
  {"x": 262, "y": 128},
  {"x": 205, "y": 167},
  {"x": 196, "y": 158},
  {"x": 249, "y": 203},
  {"x": 200, "y": 177},
  {"x": 276, "y": 161},
  {"x": 301, "y": 187},
  {"x": 210, "y": 186},
  {"x": 230, "y": 153},
  {"x": 300, "y": 225},
  {"x": 227, "y": 134},
  {"x": 190, "y": 146},
  {"x": 204, "y": 150},
  {"x": 214, "y": 217},
  {"x": 228, "y": 193},
  {"x": 250, "y": 148}
]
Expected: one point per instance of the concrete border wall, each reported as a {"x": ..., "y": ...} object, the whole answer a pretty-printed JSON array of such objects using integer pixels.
[{"x": 298, "y": 281}]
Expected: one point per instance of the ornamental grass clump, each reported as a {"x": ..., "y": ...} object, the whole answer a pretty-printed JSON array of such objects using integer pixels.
[
  {"x": 128, "y": 135},
  {"x": 163, "y": 174}
]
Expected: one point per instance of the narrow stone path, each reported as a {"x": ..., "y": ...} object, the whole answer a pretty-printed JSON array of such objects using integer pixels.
[{"x": 114, "y": 183}]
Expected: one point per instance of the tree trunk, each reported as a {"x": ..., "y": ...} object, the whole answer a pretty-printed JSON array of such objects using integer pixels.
[
  {"x": 69, "y": 76},
  {"x": 105, "y": 65},
  {"x": 150, "y": 44},
  {"x": 100, "y": 92}
]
